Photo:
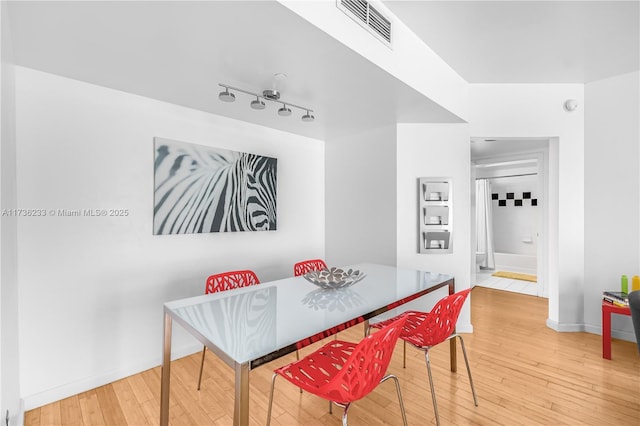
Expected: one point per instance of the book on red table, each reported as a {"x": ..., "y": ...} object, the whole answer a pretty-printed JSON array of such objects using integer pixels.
[
  {"x": 615, "y": 302},
  {"x": 616, "y": 296}
]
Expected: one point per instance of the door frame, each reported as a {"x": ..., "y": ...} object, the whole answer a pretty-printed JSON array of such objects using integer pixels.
[{"x": 541, "y": 155}]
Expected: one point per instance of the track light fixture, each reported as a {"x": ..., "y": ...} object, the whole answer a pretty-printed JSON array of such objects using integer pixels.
[
  {"x": 267, "y": 95},
  {"x": 284, "y": 111},
  {"x": 226, "y": 96},
  {"x": 257, "y": 104},
  {"x": 308, "y": 117}
]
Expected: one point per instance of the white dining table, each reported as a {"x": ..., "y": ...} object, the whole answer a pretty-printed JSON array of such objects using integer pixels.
[{"x": 250, "y": 326}]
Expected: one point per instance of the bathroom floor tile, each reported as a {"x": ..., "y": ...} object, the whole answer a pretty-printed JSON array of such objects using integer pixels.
[{"x": 507, "y": 284}]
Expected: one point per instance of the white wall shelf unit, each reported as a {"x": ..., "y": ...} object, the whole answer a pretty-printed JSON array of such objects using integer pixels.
[{"x": 435, "y": 228}]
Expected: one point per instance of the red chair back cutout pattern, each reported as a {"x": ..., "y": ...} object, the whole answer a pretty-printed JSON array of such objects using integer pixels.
[
  {"x": 305, "y": 266},
  {"x": 344, "y": 372},
  {"x": 230, "y": 280},
  {"x": 437, "y": 325}
]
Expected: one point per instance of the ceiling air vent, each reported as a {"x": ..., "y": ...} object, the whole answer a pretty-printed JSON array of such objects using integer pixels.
[{"x": 369, "y": 17}]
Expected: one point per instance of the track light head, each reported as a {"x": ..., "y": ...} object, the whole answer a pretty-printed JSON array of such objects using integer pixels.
[
  {"x": 226, "y": 96},
  {"x": 284, "y": 111},
  {"x": 308, "y": 117},
  {"x": 257, "y": 104}
]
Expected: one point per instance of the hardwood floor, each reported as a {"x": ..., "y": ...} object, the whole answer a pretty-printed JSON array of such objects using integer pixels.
[{"x": 524, "y": 373}]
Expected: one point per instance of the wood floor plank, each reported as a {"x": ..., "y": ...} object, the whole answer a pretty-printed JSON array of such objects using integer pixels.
[
  {"x": 50, "y": 414},
  {"x": 186, "y": 394},
  {"x": 139, "y": 388},
  {"x": 32, "y": 417},
  {"x": 177, "y": 414},
  {"x": 131, "y": 408},
  {"x": 524, "y": 373},
  {"x": 70, "y": 412},
  {"x": 151, "y": 411},
  {"x": 110, "y": 405},
  {"x": 90, "y": 409}
]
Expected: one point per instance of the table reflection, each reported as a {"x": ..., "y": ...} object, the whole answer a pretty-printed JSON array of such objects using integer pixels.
[
  {"x": 240, "y": 321},
  {"x": 332, "y": 300}
]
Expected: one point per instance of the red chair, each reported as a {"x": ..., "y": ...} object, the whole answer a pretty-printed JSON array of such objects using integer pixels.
[
  {"x": 302, "y": 268},
  {"x": 222, "y": 282},
  {"x": 344, "y": 372},
  {"x": 305, "y": 266},
  {"x": 425, "y": 330}
]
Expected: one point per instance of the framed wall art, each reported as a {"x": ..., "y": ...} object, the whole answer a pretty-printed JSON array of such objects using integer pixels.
[{"x": 201, "y": 189}]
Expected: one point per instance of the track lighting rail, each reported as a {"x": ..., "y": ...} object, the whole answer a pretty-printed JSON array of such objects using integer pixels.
[{"x": 267, "y": 95}]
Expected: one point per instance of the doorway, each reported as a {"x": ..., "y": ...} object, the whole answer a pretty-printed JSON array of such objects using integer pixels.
[{"x": 511, "y": 214}]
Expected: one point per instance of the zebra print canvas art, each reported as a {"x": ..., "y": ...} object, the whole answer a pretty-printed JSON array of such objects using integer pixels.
[{"x": 200, "y": 189}]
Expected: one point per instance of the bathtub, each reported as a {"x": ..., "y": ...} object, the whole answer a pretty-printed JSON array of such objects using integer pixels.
[{"x": 523, "y": 263}]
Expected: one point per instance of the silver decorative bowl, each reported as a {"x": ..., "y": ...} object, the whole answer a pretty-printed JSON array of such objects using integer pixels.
[{"x": 334, "y": 278}]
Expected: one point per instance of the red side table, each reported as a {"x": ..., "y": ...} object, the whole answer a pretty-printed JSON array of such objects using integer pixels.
[{"x": 607, "y": 310}]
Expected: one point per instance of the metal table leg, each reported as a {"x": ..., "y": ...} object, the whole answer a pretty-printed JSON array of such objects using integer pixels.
[
  {"x": 166, "y": 372},
  {"x": 452, "y": 342},
  {"x": 241, "y": 402}
]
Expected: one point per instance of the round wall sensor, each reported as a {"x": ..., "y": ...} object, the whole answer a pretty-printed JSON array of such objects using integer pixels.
[{"x": 570, "y": 105}]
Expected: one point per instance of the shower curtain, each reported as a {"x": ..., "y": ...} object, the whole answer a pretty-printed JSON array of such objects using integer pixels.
[{"x": 484, "y": 223}]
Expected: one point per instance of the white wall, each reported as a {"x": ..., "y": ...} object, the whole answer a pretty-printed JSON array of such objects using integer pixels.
[
  {"x": 536, "y": 110},
  {"x": 92, "y": 288},
  {"x": 360, "y": 197},
  {"x": 435, "y": 150},
  {"x": 612, "y": 193},
  {"x": 9, "y": 353}
]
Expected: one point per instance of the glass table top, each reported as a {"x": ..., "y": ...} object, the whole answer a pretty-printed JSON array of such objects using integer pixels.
[{"x": 250, "y": 323}]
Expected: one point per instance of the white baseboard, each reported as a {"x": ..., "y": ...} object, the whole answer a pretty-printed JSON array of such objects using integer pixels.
[
  {"x": 564, "y": 328},
  {"x": 623, "y": 335},
  {"x": 48, "y": 396},
  {"x": 628, "y": 336}
]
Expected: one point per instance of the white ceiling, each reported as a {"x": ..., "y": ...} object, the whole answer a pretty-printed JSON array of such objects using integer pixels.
[
  {"x": 528, "y": 41},
  {"x": 178, "y": 52},
  {"x": 490, "y": 148}
]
